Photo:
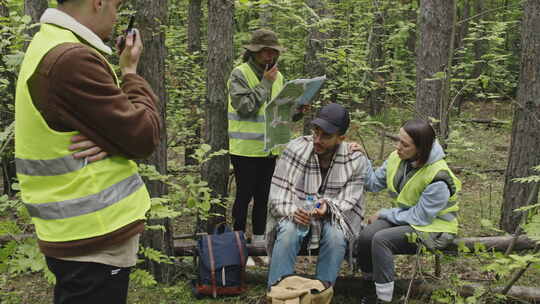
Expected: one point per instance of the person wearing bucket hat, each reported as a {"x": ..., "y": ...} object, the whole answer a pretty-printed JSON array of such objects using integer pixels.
[
  {"x": 251, "y": 86},
  {"x": 322, "y": 169}
]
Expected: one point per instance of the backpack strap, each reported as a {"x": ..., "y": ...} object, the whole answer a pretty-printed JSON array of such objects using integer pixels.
[
  {"x": 212, "y": 265},
  {"x": 242, "y": 260}
]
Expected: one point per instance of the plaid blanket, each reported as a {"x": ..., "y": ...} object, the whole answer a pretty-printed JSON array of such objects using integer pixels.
[{"x": 298, "y": 175}]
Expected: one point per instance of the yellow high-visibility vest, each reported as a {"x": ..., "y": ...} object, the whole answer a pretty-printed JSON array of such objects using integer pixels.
[
  {"x": 246, "y": 134},
  {"x": 67, "y": 198},
  {"x": 446, "y": 220}
]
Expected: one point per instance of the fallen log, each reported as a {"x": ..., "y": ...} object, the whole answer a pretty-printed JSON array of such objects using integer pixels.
[
  {"x": 487, "y": 121},
  {"x": 356, "y": 287},
  {"x": 458, "y": 170},
  {"x": 353, "y": 286},
  {"x": 496, "y": 243}
]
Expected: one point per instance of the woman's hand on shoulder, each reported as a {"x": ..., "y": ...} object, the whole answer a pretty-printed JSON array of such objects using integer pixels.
[{"x": 355, "y": 147}]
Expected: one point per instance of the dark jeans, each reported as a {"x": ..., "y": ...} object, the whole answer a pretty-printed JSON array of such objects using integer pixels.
[
  {"x": 88, "y": 283},
  {"x": 253, "y": 177},
  {"x": 377, "y": 244}
]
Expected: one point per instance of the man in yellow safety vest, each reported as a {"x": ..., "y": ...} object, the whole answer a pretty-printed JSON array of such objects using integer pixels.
[{"x": 88, "y": 209}]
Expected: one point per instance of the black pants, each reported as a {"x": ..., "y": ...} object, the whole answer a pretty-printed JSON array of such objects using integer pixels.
[
  {"x": 253, "y": 177},
  {"x": 88, "y": 283}
]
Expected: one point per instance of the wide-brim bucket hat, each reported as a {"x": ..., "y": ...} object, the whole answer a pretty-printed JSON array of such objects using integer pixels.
[{"x": 264, "y": 38}]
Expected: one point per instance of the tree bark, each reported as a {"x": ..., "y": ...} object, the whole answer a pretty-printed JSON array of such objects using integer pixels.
[
  {"x": 376, "y": 60},
  {"x": 34, "y": 9},
  {"x": 526, "y": 123},
  {"x": 220, "y": 59},
  {"x": 152, "y": 68},
  {"x": 314, "y": 64},
  {"x": 435, "y": 24},
  {"x": 194, "y": 46},
  {"x": 412, "y": 15}
]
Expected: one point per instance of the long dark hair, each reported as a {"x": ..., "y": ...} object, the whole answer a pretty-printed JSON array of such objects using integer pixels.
[{"x": 423, "y": 136}]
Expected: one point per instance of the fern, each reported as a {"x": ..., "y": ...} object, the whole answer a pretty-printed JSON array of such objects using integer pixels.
[{"x": 142, "y": 278}]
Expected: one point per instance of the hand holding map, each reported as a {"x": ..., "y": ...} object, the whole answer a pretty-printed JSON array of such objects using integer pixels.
[{"x": 279, "y": 111}]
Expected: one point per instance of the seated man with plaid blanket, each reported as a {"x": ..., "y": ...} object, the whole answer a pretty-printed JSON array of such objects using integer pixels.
[{"x": 319, "y": 167}]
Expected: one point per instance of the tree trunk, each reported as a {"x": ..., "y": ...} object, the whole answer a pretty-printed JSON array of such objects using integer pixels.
[
  {"x": 7, "y": 162},
  {"x": 526, "y": 123},
  {"x": 220, "y": 59},
  {"x": 152, "y": 68},
  {"x": 194, "y": 46},
  {"x": 4, "y": 9},
  {"x": 412, "y": 16},
  {"x": 314, "y": 64},
  {"x": 265, "y": 16},
  {"x": 34, "y": 9},
  {"x": 435, "y": 27},
  {"x": 194, "y": 26},
  {"x": 462, "y": 32},
  {"x": 479, "y": 46},
  {"x": 376, "y": 95}
]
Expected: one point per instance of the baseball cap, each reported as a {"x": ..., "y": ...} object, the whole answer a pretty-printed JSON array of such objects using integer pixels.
[{"x": 333, "y": 118}]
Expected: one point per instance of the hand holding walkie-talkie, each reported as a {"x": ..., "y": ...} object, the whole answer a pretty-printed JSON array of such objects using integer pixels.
[
  {"x": 131, "y": 43},
  {"x": 122, "y": 39}
]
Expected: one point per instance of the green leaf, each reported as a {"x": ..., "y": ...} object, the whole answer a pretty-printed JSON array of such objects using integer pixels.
[
  {"x": 14, "y": 60},
  {"x": 140, "y": 277},
  {"x": 463, "y": 248},
  {"x": 26, "y": 19}
]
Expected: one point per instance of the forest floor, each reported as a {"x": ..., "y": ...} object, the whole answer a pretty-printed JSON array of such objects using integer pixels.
[{"x": 478, "y": 154}]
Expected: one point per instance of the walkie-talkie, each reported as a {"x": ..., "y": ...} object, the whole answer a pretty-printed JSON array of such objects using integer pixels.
[{"x": 122, "y": 43}]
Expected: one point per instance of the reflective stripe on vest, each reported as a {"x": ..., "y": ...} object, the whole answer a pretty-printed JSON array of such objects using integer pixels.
[
  {"x": 48, "y": 167},
  {"x": 234, "y": 116},
  {"x": 448, "y": 216},
  {"x": 409, "y": 195},
  {"x": 87, "y": 204},
  {"x": 67, "y": 198},
  {"x": 246, "y": 134}
]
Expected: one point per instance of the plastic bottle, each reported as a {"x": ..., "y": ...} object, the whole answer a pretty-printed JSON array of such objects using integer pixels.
[{"x": 308, "y": 206}]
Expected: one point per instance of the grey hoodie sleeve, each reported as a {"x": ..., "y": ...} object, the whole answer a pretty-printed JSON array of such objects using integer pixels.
[
  {"x": 433, "y": 200},
  {"x": 245, "y": 100},
  {"x": 375, "y": 180}
]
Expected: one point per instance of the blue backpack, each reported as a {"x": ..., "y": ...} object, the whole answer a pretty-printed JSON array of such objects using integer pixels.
[{"x": 222, "y": 263}]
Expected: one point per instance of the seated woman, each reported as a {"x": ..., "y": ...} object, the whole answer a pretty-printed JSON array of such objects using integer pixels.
[{"x": 424, "y": 191}]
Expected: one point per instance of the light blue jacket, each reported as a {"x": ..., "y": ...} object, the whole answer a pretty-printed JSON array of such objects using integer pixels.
[{"x": 433, "y": 199}]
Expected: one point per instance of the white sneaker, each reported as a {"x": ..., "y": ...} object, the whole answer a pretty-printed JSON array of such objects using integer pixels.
[
  {"x": 258, "y": 240},
  {"x": 250, "y": 262}
]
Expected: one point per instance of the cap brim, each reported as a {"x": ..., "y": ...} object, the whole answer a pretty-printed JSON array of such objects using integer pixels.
[
  {"x": 325, "y": 125},
  {"x": 257, "y": 47}
]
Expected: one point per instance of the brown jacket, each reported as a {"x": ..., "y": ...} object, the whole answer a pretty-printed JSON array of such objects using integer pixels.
[{"x": 74, "y": 89}]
